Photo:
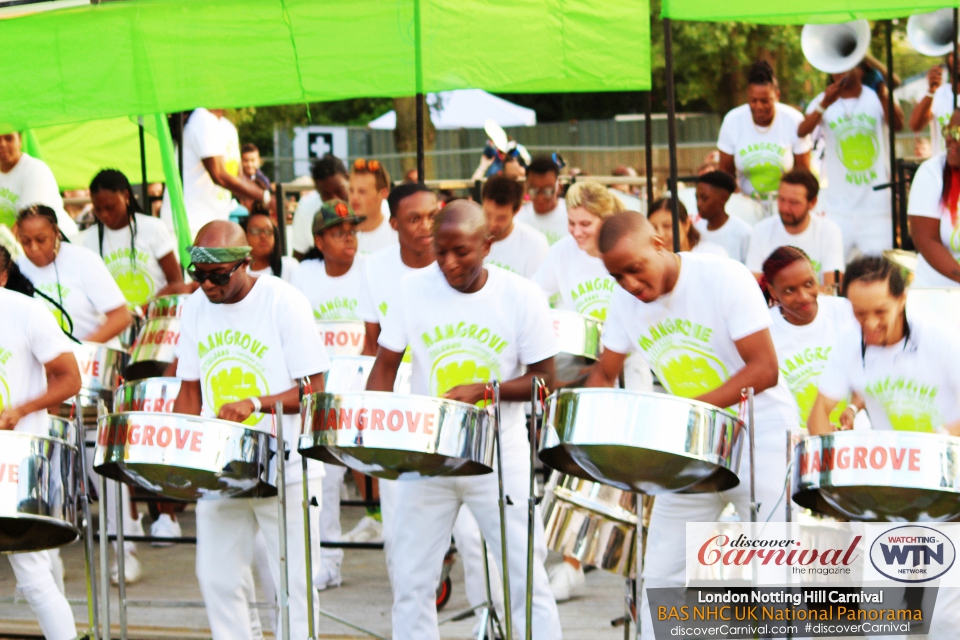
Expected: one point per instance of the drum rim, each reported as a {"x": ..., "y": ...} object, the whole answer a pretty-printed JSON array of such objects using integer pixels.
[
  {"x": 132, "y": 384},
  {"x": 609, "y": 513},
  {"x": 391, "y": 394},
  {"x": 163, "y": 414},
  {"x": 941, "y": 437},
  {"x": 643, "y": 394},
  {"x": 34, "y": 436}
]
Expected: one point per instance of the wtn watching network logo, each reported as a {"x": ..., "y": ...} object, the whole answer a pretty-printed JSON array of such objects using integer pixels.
[{"x": 912, "y": 553}]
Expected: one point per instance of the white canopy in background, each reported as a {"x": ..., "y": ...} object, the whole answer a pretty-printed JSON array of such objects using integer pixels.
[{"x": 466, "y": 109}]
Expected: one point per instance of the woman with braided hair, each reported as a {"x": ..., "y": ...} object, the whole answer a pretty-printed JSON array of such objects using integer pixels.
[{"x": 138, "y": 250}]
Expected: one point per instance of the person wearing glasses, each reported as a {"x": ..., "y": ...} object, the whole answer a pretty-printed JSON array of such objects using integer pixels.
[
  {"x": 369, "y": 188},
  {"x": 546, "y": 211},
  {"x": 237, "y": 383},
  {"x": 265, "y": 256},
  {"x": 932, "y": 211}
]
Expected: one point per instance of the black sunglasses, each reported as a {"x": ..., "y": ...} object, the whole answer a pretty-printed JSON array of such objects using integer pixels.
[{"x": 216, "y": 279}]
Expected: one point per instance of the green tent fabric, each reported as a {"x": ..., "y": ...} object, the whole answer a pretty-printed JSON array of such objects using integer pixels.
[
  {"x": 797, "y": 12},
  {"x": 154, "y": 56},
  {"x": 76, "y": 152}
]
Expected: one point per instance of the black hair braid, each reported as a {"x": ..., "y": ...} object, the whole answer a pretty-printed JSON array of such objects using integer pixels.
[
  {"x": 116, "y": 181},
  {"x": 45, "y": 212},
  {"x": 20, "y": 283}
]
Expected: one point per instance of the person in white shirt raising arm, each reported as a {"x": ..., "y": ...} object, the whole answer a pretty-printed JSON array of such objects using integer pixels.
[
  {"x": 797, "y": 226},
  {"x": 936, "y": 107},
  {"x": 703, "y": 325},
  {"x": 517, "y": 246},
  {"x": 932, "y": 207}
]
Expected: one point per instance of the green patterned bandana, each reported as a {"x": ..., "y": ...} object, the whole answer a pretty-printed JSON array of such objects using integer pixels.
[{"x": 217, "y": 255}]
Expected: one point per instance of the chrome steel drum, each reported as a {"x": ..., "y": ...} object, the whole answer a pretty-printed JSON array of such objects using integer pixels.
[
  {"x": 395, "y": 436},
  {"x": 128, "y": 337},
  {"x": 154, "y": 349},
  {"x": 350, "y": 373},
  {"x": 166, "y": 306},
  {"x": 577, "y": 335},
  {"x": 185, "y": 457},
  {"x": 942, "y": 305},
  {"x": 879, "y": 476},
  {"x": 101, "y": 369},
  {"x": 342, "y": 338},
  {"x": 156, "y": 395},
  {"x": 592, "y": 522},
  {"x": 648, "y": 442},
  {"x": 38, "y": 488}
]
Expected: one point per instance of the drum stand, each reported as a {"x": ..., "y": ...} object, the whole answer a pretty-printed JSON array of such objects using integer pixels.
[
  {"x": 88, "y": 552},
  {"x": 536, "y": 388},
  {"x": 284, "y": 586},
  {"x": 507, "y": 612}
]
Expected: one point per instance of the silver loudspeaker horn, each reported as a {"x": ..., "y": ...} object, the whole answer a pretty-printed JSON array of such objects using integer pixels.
[
  {"x": 835, "y": 48},
  {"x": 931, "y": 33}
]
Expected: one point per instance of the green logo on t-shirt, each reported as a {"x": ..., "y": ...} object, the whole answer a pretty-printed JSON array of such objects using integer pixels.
[
  {"x": 592, "y": 297},
  {"x": 857, "y": 147},
  {"x": 383, "y": 308},
  {"x": 764, "y": 176},
  {"x": 337, "y": 308},
  {"x": 58, "y": 293},
  {"x": 462, "y": 353},
  {"x": 8, "y": 207},
  {"x": 131, "y": 275},
  {"x": 679, "y": 352},
  {"x": 232, "y": 366},
  {"x": 763, "y": 165},
  {"x": 230, "y": 381},
  {"x": 909, "y": 405}
]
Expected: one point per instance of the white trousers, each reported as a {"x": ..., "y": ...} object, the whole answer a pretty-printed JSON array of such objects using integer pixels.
[
  {"x": 388, "y": 508},
  {"x": 664, "y": 563},
  {"x": 466, "y": 535},
  {"x": 867, "y": 233},
  {"x": 330, "y": 530},
  {"x": 226, "y": 530},
  {"x": 35, "y": 579},
  {"x": 423, "y": 521}
]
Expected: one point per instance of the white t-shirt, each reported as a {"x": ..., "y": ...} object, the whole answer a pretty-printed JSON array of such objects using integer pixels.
[
  {"x": 256, "y": 347},
  {"x": 802, "y": 351},
  {"x": 584, "y": 284},
  {"x": 553, "y": 225},
  {"x": 29, "y": 339},
  {"x": 906, "y": 387},
  {"x": 458, "y": 338},
  {"x": 383, "y": 236},
  {"x": 762, "y": 154},
  {"x": 207, "y": 136},
  {"x": 87, "y": 289},
  {"x": 941, "y": 109},
  {"x": 821, "y": 240},
  {"x": 853, "y": 158},
  {"x": 288, "y": 269},
  {"x": 332, "y": 298},
  {"x": 521, "y": 252},
  {"x": 381, "y": 280},
  {"x": 925, "y": 193},
  {"x": 734, "y": 236},
  {"x": 31, "y": 182},
  {"x": 712, "y": 249},
  {"x": 688, "y": 335},
  {"x": 307, "y": 208},
  {"x": 139, "y": 275}
]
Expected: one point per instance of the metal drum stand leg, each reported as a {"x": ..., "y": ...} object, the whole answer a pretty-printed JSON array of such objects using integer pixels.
[
  {"x": 284, "y": 586},
  {"x": 308, "y": 554},
  {"x": 104, "y": 545},
  {"x": 88, "y": 551},
  {"x": 489, "y": 620},
  {"x": 507, "y": 613},
  {"x": 536, "y": 385},
  {"x": 121, "y": 553}
]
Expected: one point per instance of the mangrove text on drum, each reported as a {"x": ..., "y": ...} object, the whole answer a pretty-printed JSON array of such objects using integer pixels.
[
  {"x": 150, "y": 436},
  {"x": 896, "y": 458},
  {"x": 159, "y": 336},
  {"x": 376, "y": 420},
  {"x": 10, "y": 472},
  {"x": 342, "y": 338}
]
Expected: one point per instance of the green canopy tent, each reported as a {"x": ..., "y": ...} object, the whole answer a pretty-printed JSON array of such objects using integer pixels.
[
  {"x": 144, "y": 57},
  {"x": 799, "y": 12}
]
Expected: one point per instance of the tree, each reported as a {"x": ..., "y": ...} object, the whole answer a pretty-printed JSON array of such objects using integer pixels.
[{"x": 405, "y": 135}]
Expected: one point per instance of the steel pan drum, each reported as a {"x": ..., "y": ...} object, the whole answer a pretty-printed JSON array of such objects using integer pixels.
[
  {"x": 154, "y": 348},
  {"x": 156, "y": 395},
  {"x": 342, "y": 338},
  {"x": 879, "y": 476},
  {"x": 395, "y": 436},
  {"x": 37, "y": 488},
  {"x": 647, "y": 442},
  {"x": 101, "y": 369},
  {"x": 577, "y": 335},
  {"x": 167, "y": 306},
  {"x": 942, "y": 305},
  {"x": 185, "y": 457},
  {"x": 592, "y": 522}
]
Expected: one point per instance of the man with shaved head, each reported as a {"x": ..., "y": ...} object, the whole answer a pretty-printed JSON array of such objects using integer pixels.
[
  {"x": 245, "y": 342},
  {"x": 466, "y": 325},
  {"x": 702, "y": 323}
]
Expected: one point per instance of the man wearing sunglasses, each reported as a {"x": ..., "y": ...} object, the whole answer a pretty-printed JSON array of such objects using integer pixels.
[
  {"x": 546, "y": 211},
  {"x": 245, "y": 343}
]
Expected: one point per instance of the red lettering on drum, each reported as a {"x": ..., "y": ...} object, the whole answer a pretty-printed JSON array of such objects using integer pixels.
[
  {"x": 878, "y": 457},
  {"x": 328, "y": 339},
  {"x": 859, "y": 457},
  {"x": 133, "y": 434},
  {"x": 148, "y": 433},
  {"x": 342, "y": 338},
  {"x": 171, "y": 338},
  {"x": 330, "y": 424},
  {"x": 556, "y": 328},
  {"x": 413, "y": 419},
  {"x": 843, "y": 458},
  {"x": 182, "y": 437},
  {"x": 427, "y": 423},
  {"x": 361, "y": 419},
  {"x": 9, "y": 472},
  {"x": 827, "y": 461},
  {"x": 376, "y": 418},
  {"x": 89, "y": 367},
  {"x": 914, "y": 460},
  {"x": 164, "y": 436},
  {"x": 346, "y": 418},
  {"x": 394, "y": 420},
  {"x": 897, "y": 460},
  {"x": 195, "y": 441}
]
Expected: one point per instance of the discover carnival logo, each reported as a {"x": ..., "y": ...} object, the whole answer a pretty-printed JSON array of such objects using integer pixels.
[{"x": 912, "y": 553}]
